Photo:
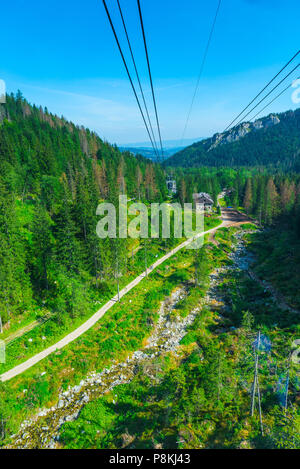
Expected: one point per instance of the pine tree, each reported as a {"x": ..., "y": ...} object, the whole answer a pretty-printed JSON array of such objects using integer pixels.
[
  {"x": 67, "y": 247},
  {"x": 200, "y": 263},
  {"x": 42, "y": 244},
  {"x": 271, "y": 201},
  {"x": 15, "y": 291},
  {"x": 121, "y": 177},
  {"x": 182, "y": 191},
  {"x": 139, "y": 180},
  {"x": 150, "y": 186},
  {"x": 287, "y": 195},
  {"x": 248, "y": 196}
]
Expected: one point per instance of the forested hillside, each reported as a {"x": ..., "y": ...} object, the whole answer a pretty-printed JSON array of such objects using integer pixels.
[
  {"x": 55, "y": 272},
  {"x": 273, "y": 141},
  {"x": 262, "y": 193},
  {"x": 52, "y": 176},
  {"x": 268, "y": 197}
]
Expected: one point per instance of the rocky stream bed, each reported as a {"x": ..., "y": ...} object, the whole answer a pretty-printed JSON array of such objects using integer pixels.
[{"x": 42, "y": 431}]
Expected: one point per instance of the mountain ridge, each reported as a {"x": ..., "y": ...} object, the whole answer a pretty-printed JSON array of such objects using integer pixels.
[{"x": 273, "y": 140}]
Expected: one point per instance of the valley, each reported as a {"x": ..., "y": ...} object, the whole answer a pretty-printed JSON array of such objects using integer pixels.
[
  {"x": 149, "y": 230},
  {"x": 172, "y": 342},
  {"x": 142, "y": 343}
]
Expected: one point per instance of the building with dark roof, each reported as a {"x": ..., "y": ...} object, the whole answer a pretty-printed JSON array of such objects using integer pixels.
[{"x": 203, "y": 201}]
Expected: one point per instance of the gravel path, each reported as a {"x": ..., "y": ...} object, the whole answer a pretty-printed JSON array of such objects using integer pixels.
[{"x": 98, "y": 315}]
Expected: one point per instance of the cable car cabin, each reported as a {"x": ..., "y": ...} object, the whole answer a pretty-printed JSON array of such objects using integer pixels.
[{"x": 171, "y": 185}]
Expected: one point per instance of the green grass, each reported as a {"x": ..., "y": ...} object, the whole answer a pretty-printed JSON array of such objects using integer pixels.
[
  {"x": 203, "y": 397},
  {"x": 52, "y": 331},
  {"x": 277, "y": 252},
  {"x": 121, "y": 330}
]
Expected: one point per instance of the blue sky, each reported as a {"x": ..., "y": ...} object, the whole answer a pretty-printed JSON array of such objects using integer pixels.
[{"x": 62, "y": 55}]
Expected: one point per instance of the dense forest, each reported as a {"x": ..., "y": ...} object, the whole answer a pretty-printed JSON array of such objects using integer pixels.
[
  {"x": 52, "y": 176},
  {"x": 262, "y": 193},
  {"x": 276, "y": 146},
  {"x": 268, "y": 197},
  {"x": 200, "y": 396}
]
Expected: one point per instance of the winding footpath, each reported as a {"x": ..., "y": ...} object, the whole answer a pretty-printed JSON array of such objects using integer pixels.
[{"x": 229, "y": 218}]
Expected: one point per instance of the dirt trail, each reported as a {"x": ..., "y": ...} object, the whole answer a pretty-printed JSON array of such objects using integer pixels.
[
  {"x": 232, "y": 217},
  {"x": 229, "y": 217},
  {"x": 43, "y": 430}
]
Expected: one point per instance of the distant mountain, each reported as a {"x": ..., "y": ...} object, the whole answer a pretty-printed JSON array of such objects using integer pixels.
[
  {"x": 149, "y": 153},
  {"x": 175, "y": 143},
  {"x": 271, "y": 141},
  {"x": 170, "y": 147}
]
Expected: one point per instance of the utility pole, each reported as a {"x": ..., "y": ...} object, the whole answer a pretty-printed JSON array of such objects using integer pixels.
[
  {"x": 118, "y": 285},
  {"x": 287, "y": 384},
  {"x": 2, "y": 434},
  {"x": 219, "y": 376},
  {"x": 260, "y": 217},
  {"x": 255, "y": 387},
  {"x": 259, "y": 408},
  {"x": 145, "y": 251}
]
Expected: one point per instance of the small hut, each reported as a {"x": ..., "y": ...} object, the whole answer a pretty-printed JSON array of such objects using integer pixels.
[{"x": 203, "y": 201}]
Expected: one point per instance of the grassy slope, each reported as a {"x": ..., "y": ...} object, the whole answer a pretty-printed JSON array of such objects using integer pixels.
[
  {"x": 278, "y": 261},
  {"x": 185, "y": 408},
  {"x": 122, "y": 330},
  {"x": 51, "y": 331}
]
